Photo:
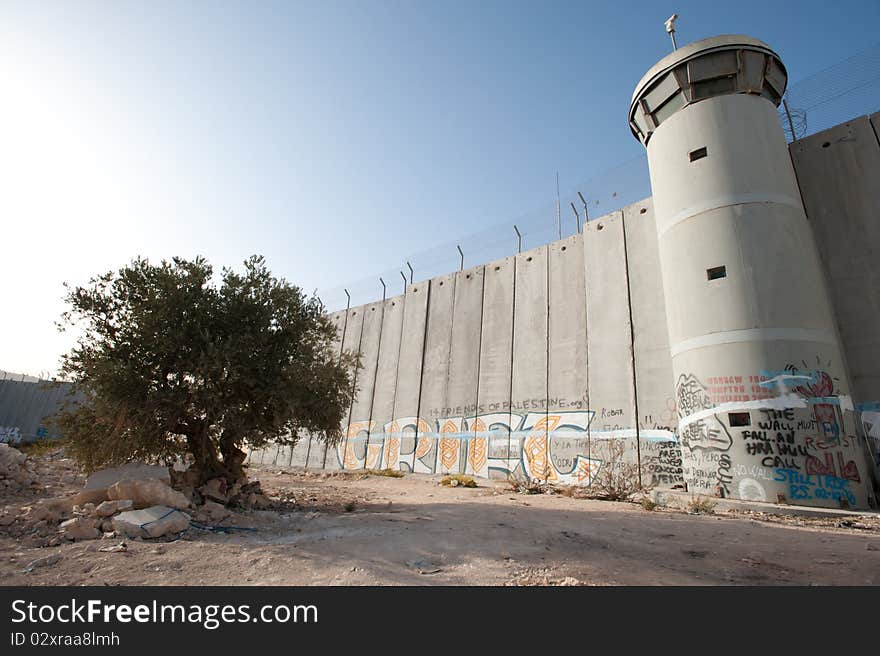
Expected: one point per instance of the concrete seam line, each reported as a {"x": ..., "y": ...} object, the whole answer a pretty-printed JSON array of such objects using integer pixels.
[
  {"x": 727, "y": 201},
  {"x": 752, "y": 335}
]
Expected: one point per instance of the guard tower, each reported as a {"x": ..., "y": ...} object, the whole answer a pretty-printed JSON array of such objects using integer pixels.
[{"x": 761, "y": 385}]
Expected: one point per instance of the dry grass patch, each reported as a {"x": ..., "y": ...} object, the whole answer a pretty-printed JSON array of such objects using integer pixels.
[{"x": 458, "y": 480}]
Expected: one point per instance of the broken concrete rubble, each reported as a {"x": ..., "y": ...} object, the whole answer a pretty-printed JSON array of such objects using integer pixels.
[
  {"x": 146, "y": 493},
  {"x": 153, "y": 522},
  {"x": 97, "y": 485},
  {"x": 14, "y": 471}
]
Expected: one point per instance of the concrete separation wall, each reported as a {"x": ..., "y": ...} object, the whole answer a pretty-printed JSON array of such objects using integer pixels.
[
  {"x": 838, "y": 172},
  {"x": 555, "y": 364},
  {"x": 25, "y": 407}
]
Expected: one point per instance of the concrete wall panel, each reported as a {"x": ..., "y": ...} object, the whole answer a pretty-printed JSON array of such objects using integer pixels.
[
  {"x": 529, "y": 397},
  {"x": 567, "y": 406},
  {"x": 464, "y": 362},
  {"x": 299, "y": 452},
  {"x": 609, "y": 341},
  {"x": 654, "y": 380},
  {"x": 385, "y": 387},
  {"x": 491, "y": 429},
  {"x": 351, "y": 341},
  {"x": 609, "y": 348},
  {"x": 838, "y": 172},
  {"x": 400, "y": 442},
  {"x": 438, "y": 340},
  {"x": 359, "y": 424}
]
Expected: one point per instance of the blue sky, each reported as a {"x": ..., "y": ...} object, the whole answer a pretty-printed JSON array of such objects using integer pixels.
[{"x": 335, "y": 138}]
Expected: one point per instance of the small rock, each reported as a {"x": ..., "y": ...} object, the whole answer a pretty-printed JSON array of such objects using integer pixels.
[
  {"x": 116, "y": 548},
  {"x": 215, "y": 511},
  {"x": 215, "y": 490},
  {"x": 109, "y": 508},
  {"x": 424, "y": 566},
  {"x": 80, "y": 528}
]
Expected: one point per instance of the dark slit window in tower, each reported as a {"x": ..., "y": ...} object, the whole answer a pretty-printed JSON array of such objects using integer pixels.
[
  {"x": 699, "y": 153},
  {"x": 739, "y": 419},
  {"x": 716, "y": 272}
]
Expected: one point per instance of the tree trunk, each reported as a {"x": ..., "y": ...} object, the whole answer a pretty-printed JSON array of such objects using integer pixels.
[{"x": 209, "y": 464}]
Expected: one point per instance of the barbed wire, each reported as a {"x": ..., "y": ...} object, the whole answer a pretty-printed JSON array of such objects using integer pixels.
[{"x": 827, "y": 98}]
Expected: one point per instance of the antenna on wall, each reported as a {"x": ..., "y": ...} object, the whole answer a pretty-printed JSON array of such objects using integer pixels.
[{"x": 670, "y": 29}]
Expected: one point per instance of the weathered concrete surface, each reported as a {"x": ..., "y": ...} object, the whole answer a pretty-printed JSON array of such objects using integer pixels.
[
  {"x": 464, "y": 362},
  {"x": 400, "y": 446},
  {"x": 838, "y": 173},
  {"x": 653, "y": 364},
  {"x": 491, "y": 429},
  {"x": 529, "y": 397},
  {"x": 25, "y": 407},
  {"x": 152, "y": 522},
  {"x": 435, "y": 374},
  {"x": 299, "y": 453},
  {"x": 351, "y": 342},
  {"x": 359, "y": 424},
  {"x": 609, "y": 332},
  {"x": 763, "y": 397},
  {"x": 385, "y": 386},
  {"x": 568, "y": 416},
  {"x": 657, "y": 418}
]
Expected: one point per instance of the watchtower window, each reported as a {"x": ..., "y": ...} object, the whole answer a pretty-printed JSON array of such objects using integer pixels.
[
  {"x": 715, "y": 273},
  {"x": 699, "y": 153}
]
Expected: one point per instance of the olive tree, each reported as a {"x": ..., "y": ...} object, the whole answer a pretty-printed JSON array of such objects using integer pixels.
[{"x": 170, "y": 362}]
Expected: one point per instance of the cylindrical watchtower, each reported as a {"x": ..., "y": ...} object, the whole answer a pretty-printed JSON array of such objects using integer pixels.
[{"x": 760, "y": 381}]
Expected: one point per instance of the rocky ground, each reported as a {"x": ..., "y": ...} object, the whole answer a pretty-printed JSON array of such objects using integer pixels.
[{"x": 358, "y": 529}]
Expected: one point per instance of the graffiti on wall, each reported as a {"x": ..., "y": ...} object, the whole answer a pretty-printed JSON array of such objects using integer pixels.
[
  {"x": 556, "y": 447},
  {"x": 10, "y": 434},
  {"x": 784, "y": 433}
]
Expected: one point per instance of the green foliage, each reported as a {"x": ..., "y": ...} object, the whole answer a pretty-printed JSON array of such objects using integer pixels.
[{"x": 169, "y": 362}]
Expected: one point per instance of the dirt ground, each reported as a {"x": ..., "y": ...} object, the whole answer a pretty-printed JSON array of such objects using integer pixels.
[{"x": 346, "y": 529}]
